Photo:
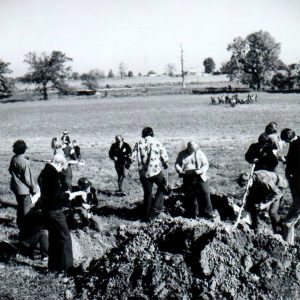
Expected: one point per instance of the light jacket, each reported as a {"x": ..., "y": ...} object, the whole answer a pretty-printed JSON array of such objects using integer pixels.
[
  {"x": 195, "y": 161},
  {"x": 22, "y": 182}
]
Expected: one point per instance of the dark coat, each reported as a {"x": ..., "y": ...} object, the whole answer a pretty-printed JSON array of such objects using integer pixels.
[
  {"x": 122, "y": 154},
  {"x": 267, "y": 160},
  {"x": 293, "y": 160},
  {"x": 53, "y": 189}
]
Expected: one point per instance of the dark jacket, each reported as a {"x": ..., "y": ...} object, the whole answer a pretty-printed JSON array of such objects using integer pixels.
[
  {"x": 293, "y": 160},
  {"x": 53, "y": 189},
  {"x": 267, "y": 160},
  {"x": 66, "y": 139},
  {"x": 77, "y": 152},
  {"x": 122, "y": 154}
]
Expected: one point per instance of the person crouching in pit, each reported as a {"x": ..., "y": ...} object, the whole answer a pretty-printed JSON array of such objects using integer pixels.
[
  {"x": 79, "y": 215},
  {"x": 192, "y": 165}
]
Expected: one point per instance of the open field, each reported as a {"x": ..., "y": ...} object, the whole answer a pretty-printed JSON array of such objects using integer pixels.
[{"x": 224, "y": 133}]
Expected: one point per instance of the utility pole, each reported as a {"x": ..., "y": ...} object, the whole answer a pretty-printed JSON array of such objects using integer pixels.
[{"x": 182, "y": 66}]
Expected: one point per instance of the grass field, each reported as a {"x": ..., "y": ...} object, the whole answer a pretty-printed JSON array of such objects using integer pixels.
[{"x": 224, "y": 133}]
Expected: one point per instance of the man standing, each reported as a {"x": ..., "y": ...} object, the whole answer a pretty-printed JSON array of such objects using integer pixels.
[
  {"x": 266, "y": 192},
  {"x": 151, "y": 155},
  {"x": 192, "y": 165},
  {"x": 22, "y": 183},
  {"x": 292, "y": 173},
  {"x": 120, "y": 153},
  {"x": 262, "y": 154},
  {"x": 65, "y": 137}
]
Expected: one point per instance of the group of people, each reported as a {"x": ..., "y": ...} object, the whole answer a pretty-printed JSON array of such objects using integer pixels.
[
  {"x": 46, "y": 225},
  {"x": 234, "y": 99},
  {"x": 266, "y": 186}
]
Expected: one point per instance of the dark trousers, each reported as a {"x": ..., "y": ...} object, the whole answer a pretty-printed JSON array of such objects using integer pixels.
[
  {"x": 294, "y": 210},
  {"x": 121, "y": 171},
  {"x": 38, "y": 240},
  {"x": 68, "y": 176},
  {"x": 255, "y": 197},
  {"x": 60, "y": 242},
  {"x": 197, "y": 195},
  {"x": 24, "y": 206},
  {"x": 152, "y": 205}
]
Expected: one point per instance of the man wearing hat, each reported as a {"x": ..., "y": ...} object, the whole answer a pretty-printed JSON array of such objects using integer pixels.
[
  {"x": 261, "y": 153},
  {"x": 65, "y": 137},
  {"x": 22, "y": 183},
  {"x": 120, "y": 152},
  {"x": 266, "y": 192},
  {"x": 79, "y": 214}
]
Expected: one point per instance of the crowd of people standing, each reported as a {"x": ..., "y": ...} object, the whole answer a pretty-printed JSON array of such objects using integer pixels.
[{"x": 45, "y": 224}]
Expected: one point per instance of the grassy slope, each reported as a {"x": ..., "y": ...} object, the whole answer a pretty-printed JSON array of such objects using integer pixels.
[{"x": 224, "y": 134}]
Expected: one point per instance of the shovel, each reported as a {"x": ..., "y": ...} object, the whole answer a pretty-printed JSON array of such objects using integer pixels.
[{"x": 241, "y": 209}]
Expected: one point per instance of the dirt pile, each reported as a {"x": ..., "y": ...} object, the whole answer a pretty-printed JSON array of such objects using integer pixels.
[{"x": 177, "y": 258}]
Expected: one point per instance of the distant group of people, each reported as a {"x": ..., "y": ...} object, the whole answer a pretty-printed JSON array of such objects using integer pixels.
[
  {"x": 233, "y": 100},
  {"x": 46, "y": 225}
]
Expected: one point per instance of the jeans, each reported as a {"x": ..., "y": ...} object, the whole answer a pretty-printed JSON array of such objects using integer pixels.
[
  {"x": 24, "y": 206},
  {"x": 153, "y": 206},
  {"x": 197, "y": 195}
]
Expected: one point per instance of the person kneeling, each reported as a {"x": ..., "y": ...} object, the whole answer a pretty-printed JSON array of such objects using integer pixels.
[
  {"x": 192, "y": 165},
  {"x": 34, "y": 235},
  {"x": 79, "y": 215},
  {"x": 265, "y": 193}
]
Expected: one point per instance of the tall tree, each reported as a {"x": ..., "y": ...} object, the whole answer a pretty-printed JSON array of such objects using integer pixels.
[
  {"x": 253, "y": 58},
  {"x": 110, "y": 74},
  {"x": 170, "y": 69},
  {"x": 47, "y": 68},
  {"x": 209, "y": 65},
  {"x": 6, "y": 84}
]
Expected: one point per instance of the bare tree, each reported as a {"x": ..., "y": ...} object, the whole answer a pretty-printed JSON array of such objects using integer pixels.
[{"x": 122, "y": 70}]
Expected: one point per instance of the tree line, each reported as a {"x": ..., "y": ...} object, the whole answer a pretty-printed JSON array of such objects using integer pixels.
[{"x": 254, "y": 61}]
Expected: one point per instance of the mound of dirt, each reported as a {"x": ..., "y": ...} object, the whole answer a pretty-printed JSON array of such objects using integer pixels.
[{"x": 177, "y": 258}]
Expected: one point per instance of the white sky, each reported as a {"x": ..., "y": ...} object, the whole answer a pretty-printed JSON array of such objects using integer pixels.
[{"x": 144, "y": 34}]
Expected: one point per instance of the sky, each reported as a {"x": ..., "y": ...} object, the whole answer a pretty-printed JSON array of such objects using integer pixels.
[{"x": 144, "y": 34}]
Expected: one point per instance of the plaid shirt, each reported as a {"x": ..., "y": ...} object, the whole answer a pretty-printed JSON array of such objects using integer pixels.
[{"x": 150, "y": 153}]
